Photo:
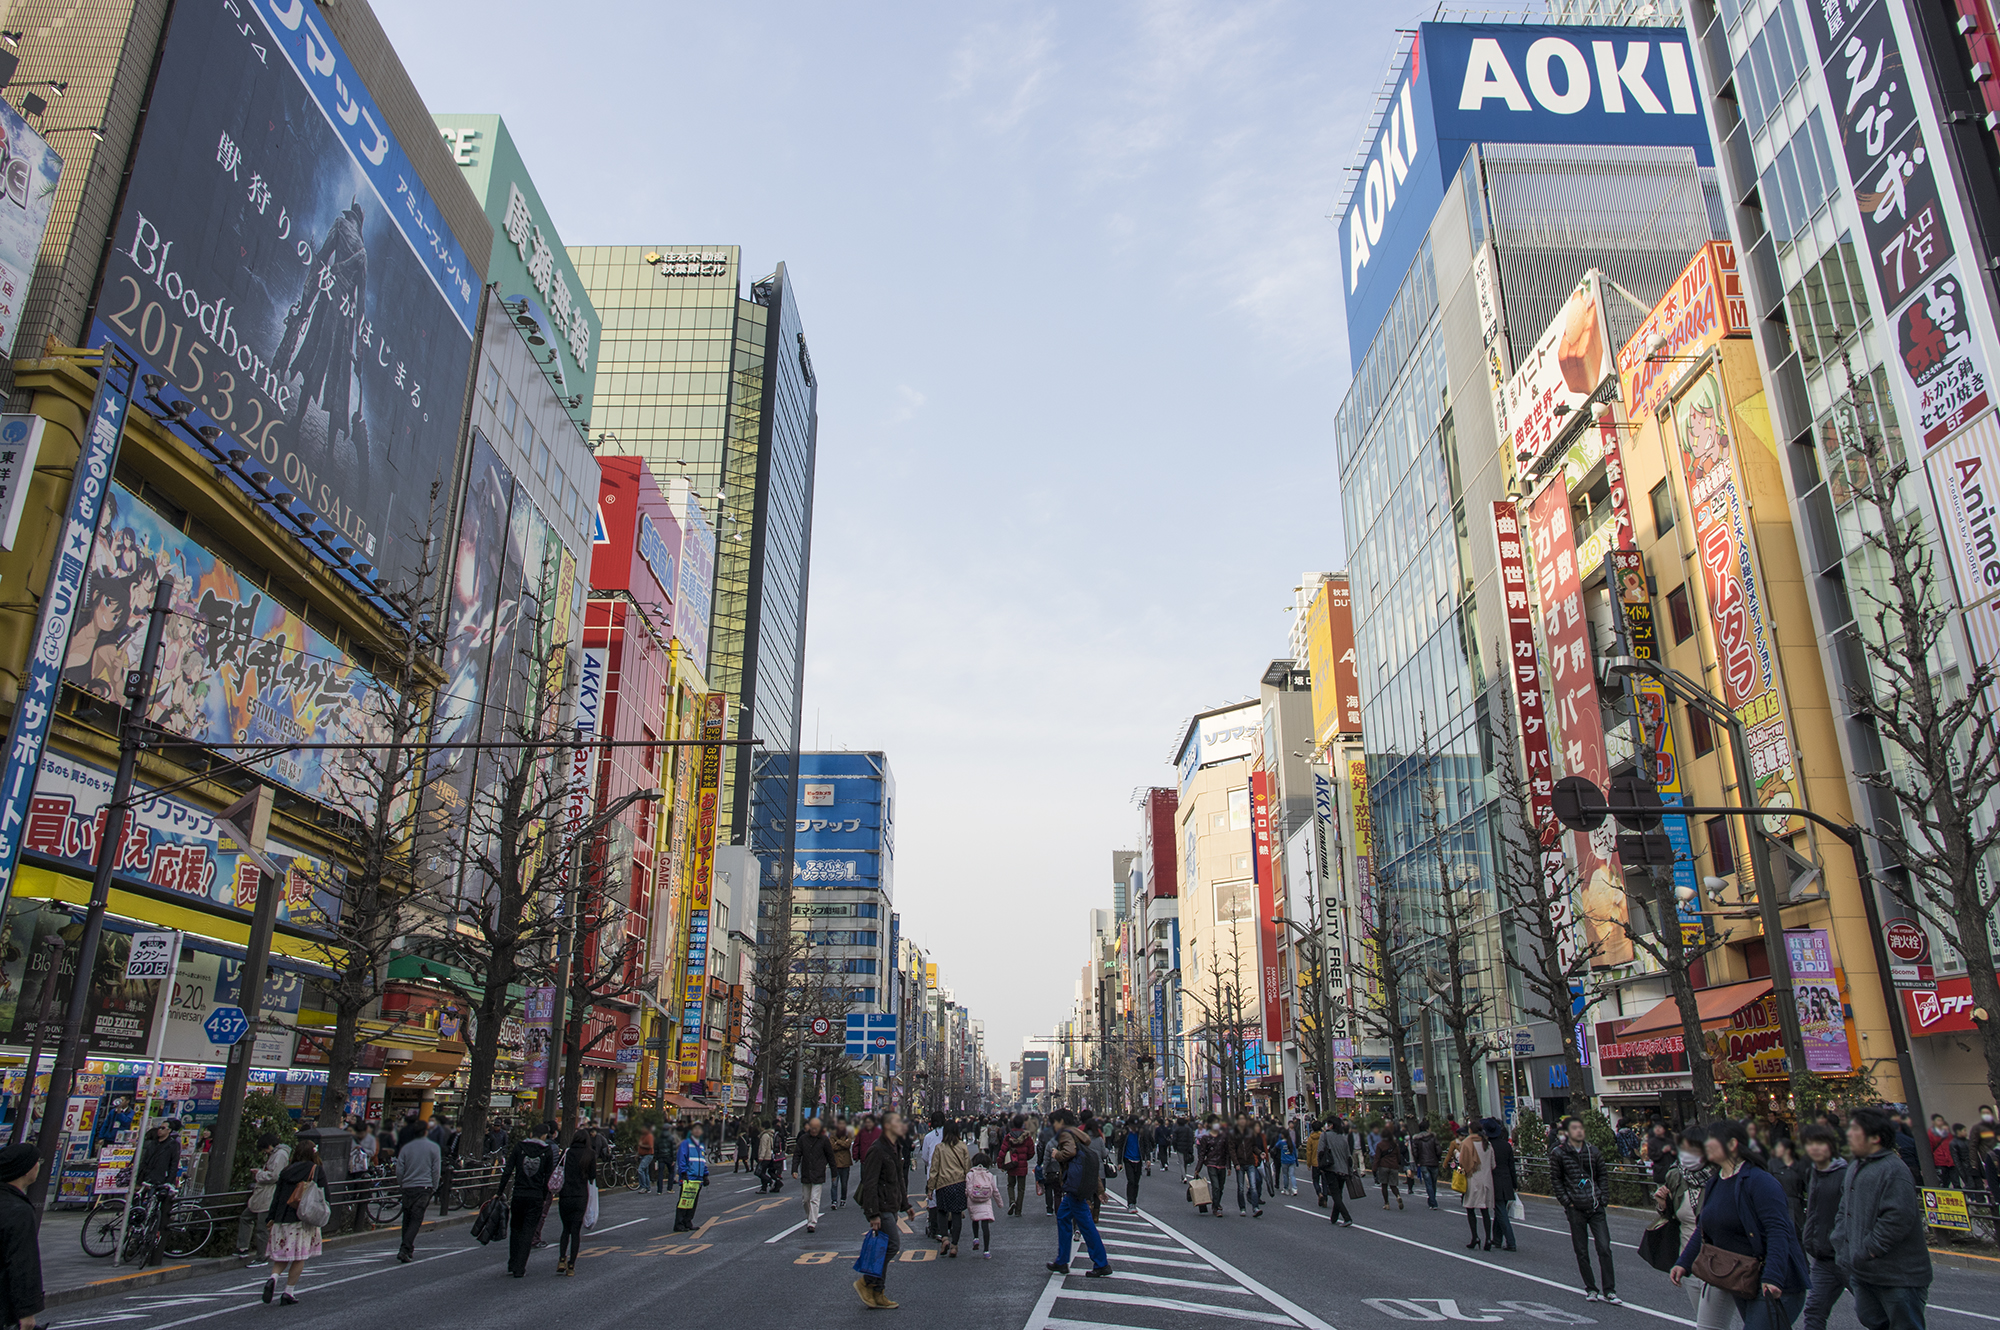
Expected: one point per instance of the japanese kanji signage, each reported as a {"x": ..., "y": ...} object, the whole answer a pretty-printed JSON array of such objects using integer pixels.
[
  {"x": 1525, "y": 677},
  {"x": 708, "y": 795},
  {"x": 1938, "y": 355},
  {"x": 1704, "y": 305},
  {"x": 1270, "y": 991},
  {"x": 279, "y": 263}
]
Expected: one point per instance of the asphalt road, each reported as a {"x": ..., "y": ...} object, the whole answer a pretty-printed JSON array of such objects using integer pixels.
[{"x": 752, "y": 1263}]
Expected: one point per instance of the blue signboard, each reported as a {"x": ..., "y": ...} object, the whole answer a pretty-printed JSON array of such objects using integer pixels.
[
  {"x": 1466, "y": 83},
  {"x": 871, "y": 1035},
  {"x": 225, "y": 1025}
]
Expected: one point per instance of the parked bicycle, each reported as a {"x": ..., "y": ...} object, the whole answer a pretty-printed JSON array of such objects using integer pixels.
[{"x": 164, "y": 1224}]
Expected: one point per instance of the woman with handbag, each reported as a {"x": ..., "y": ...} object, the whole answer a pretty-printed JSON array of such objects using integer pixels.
[
  {"x": 950, "y": 1162},
  {"x": 578, "y": 1174},
  {"x": 1475, "y": 1165},
  {"x": 1678, "y": 1200},
  {"x": 1744, "y": 1241},
  {"x": 1506, "y": 1183},
  {"x": 298, "y": 1211}
]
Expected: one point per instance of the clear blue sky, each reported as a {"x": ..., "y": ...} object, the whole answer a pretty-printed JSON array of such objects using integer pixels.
[{"x": 1075, "y": 308}]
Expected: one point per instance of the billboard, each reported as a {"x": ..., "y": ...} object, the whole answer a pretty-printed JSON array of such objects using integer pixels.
[
  {"x": 636, "y": 546},
  {"x": 691, "y": 606},
  {"x": 1940, "y": 361},
  {"x": 1221, "y": 736},
  {"x": 1553, "y": 380},
  {"x": 1336, "y": 688},
  {"x": 530, "y": 264},
  {"x": 708, "y": 787},
  {"x": 1270, "y": 973},
  {"x": 1704, "y": 305},
  {"x": 1466, "y": 83},
  {"x": 29, "y": 170},
  {"x": 235, "y": 666},
  {"x": 278, "y": 262},
  {"x": 1745, "y": 647},
  {"x": 1816, "y": 990},
  {"x": 1965, "y": 480}
]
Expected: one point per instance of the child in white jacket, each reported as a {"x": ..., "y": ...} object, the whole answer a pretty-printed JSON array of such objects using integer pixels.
[{"x": 980, "y": 1189}]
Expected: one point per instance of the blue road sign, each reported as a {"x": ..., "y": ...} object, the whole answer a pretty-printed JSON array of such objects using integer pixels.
[{"x": 225, "y": 1025}]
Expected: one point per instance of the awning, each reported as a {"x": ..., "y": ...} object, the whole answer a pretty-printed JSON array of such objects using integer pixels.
[
  {"x": 1716, "y": 1005},
  {"x": 41, "y": 884},
  {"x": 682, "y": 1101}
]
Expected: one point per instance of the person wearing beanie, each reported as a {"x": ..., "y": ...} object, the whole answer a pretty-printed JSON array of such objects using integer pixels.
[{"x": 20, "y": 1252}]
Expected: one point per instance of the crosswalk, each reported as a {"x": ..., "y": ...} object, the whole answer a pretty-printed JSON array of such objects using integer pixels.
[{"x": 1162, "y": 1280}]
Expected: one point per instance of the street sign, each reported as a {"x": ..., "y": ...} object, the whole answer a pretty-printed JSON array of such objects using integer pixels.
[
  {"x": 1578, "y": 803},
  {"x": 871, "y": 1035},
  {"x": 225, "y": 1025},
  {"x": 1907, "y": 942},
  {"x": 629, "y": 1036},
  {"x": 152, "y": 956},
  {"x": 821, "y": 1027}
]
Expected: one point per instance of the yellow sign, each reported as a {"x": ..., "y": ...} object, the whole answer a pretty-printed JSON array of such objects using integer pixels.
[
  {"x": 1946, "y": 1209},
  {"x": 1319, "y": 665}
]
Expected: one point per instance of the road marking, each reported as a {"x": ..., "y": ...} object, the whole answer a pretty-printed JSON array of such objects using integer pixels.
[
  {"x": 1179, "y": 1305},
  {"x": 331, "y": 1283},
  {"x": 1138, "y": 1246},
  {"x": 1039, "y": 1317},
  {"x": 1276, "y": 1299},
  {"x": 1955, "y": 1311},
  {"x": 786, "y": 1234},
  {"x": 1161, "y": 1260},
  {"x": 627, "y": 1224},
  {"x": 1168, "y": 1281},
  {"x": 1489, "y": 1265}
]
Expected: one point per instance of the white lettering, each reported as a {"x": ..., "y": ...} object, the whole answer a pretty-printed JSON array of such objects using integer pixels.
[
  {"x": 1576, "y": 71},
  {"x": 1680, "y": 88},
  {"x": 1616, "y": 79},
  {"x": 1487, "y": 75},
  {"x": 1373, "y": 206},
  {"x": 1357, "y": 248}
]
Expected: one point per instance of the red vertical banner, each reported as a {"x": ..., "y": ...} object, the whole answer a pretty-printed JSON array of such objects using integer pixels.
[
  {"x": 1270, "y": 985},
  {"x": 1525, "y": 677}
]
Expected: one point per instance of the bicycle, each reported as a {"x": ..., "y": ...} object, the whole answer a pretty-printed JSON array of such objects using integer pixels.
[
  {"x": 164, "y": 1225},
  {"x": 385, "y": 1195}
]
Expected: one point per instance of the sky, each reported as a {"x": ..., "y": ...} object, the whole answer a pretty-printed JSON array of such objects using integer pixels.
[{"x": 1074, "y": 304}]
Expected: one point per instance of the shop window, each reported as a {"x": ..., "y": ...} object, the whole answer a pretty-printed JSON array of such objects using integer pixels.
[
  {"x": 1721, "y": 849},
  {"x": 1663, "y": 508},
  {"x": 1680, "y": 613},
  {"x": 1701, "y": 733}
]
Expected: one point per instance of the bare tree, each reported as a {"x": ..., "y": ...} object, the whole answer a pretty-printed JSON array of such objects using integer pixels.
[
  {"x": 1459, "y": 1000},
  {"x": 603, "y": 954},
  {"x": 1943, "y": 745},
  {"x": 1387, "y": 967}
]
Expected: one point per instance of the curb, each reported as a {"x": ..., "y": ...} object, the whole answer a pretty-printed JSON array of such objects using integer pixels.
[{"x": 170, "y": 1274}]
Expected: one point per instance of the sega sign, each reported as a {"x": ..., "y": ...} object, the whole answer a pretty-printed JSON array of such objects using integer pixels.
[{"x": 1466, "y": 83}]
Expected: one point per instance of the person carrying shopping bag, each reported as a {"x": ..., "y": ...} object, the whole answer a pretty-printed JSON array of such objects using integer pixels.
[{"x": 298, "y": 1212}]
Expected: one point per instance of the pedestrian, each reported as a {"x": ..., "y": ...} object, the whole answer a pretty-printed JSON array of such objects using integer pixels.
[
  {"x": 1163, "y": 1141},
  {"x": 1475, "y": 1161},
  {"x": 643, "y": 1152},
  {"x": 1744, "y": 1211},
  {"x": 253, "y": 1226},
  {"x": 447, "y": 1138},
  {"x": 1247, "y": 1148},
  {"x": 768, "y": 1177},
  {"x": 1184, "y": 1144},
  {"x": 1823, "y": 1187},
  {"x": 20, "y": 1245},
  {"x": 1213, "y": 1153},
  {"x": 1073, "y": 1169},
  {"x": 1045, "y": 1137},
  {"x": 1679, "y": 1197},
  {"x": 1506, "y": 1184},
  {"x": 982, "y": 1190},
  {"x": 419, "y": 1169},
  {"x": 1018, "y": 1148},
  {"x": 1132, "y": 1154},
  {"x": 293, "y": 1240},
  {"x": 160, "y": 1156},
  {"x": 1336, "y": 1162},
  {"x": 1286, "y": 1155},
  {"x": 843, "y": 1161},
  {"x": 865, "y": 1136},
  {"x": 1424, "y": 1155},
  {"x": 812, "y": 1161},
  {"x": 1878, "y": 1234},
  {"x": 1578, "y": 1177},
  {"x": 691, "y": 1164},
  {"x": 1940, "y": 1147},
  {"x": 944, "y": 1186},
  {"x": 883, "y": 1192},
  {"x": 579, "y": 1175},
  {"x": 525, "y": 1182},
  {"x": 1791, "y": 1173},
  {"x": 1388, "y": 1164}
]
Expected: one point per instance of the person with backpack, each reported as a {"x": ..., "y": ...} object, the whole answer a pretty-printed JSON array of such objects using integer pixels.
[
  {"x": 981, "y": 1190},
  {"x": 1578, "y": 1177},
  {"x": 1072, "y": 1169},
  {"x": 525, "y": 1182},
  {"x": 691, "y": 1164},
  {"x": 298, "y": 1212}
]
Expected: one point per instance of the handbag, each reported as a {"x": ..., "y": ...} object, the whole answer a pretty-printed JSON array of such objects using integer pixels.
[
  {"x": 1733, "y": 1272},
  {"x": 1198, "y": 1191},
  {"x": 1357, "y": 1190},
  {"x": 1660, "y": 1245},
  {"x": 309, "y": 1203},
  {"x": 874, "y": 1258},
  {"x": 492, "y": 1221},
  {"x": 590, "y": 1207},
  {"x": 1458, "y": 1183},
  {"x": 556, "y": 1179}
]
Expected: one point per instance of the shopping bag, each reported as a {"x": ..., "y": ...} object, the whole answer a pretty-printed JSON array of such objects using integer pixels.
[
  {"x": 1458, "y": 1181},
  {"x": 874, "y": 1258},
  {"x": 1356, "y": 1189},
  {"x": 590, "y": 1209},
  {"x": 309, "y": 1201},
  {"x": 1197, "y": 1191},
  {"x": 1660, "y": 1245},
  {"x": 1517, "y": 1211}
]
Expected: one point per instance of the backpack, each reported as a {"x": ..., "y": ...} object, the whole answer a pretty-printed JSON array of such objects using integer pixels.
[
  {"x": 979, "y": 1185},
  {"x": 1073, "y": 1175}
]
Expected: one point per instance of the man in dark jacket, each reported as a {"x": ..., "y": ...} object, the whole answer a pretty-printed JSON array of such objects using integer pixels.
[
  {"x": 1424, "y": 1154},
  {"x": 1073, "y": 1161},
  {"x": 884, "y": 1190},
  {"x": 20, "y": 1252},
  {"x": 812, "y": 1161},
  {"x": 1578, "y": 1177},
  {"x": 1247, "y": 1148},
  {"x": 1823, "y": 1187},
  {"x": 1878, "y": 1232},
  {"x": 160, "y": 1158},
  {"x": 1506, "y": 1182},
  {"x": 528, "y": 1169},
  {"x": 1184, "y": 1142}
]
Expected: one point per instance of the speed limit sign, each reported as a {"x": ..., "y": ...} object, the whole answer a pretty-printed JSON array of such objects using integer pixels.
[{"x": 821, "y": 1027}]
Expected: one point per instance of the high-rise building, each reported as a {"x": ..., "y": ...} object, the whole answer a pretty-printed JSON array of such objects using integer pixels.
[
  {"x": 707, "y": 382},
  {"x": 844, "y": 824}
]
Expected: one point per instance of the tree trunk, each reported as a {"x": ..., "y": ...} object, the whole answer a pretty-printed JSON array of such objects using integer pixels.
[
  {"x": 1667, "y": 920},
  {"x": 485, "y": 1051}
]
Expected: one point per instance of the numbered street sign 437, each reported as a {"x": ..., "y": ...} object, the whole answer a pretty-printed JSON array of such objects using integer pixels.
[{"x": 152, "y": 956}]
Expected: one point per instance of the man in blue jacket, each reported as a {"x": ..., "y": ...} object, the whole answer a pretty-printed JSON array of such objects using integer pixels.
[
  {"x": 691, "y": 1162},
  {"x": 1878, "y": 1233}
]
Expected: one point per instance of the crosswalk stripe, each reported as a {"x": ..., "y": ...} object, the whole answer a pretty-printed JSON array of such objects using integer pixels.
[
  {"x": 1179, "y": 1305},
  {"x": 1161, "y": 1260},
  {"x": 1139, "y": 1246},
  {"x": 1276, "y": 1299},
  {"x": 1059, "y": 1323},
  {"x": 1169, "y": 1281}
]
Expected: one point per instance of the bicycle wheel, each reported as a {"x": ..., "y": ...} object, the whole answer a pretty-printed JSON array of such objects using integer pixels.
[
  {"x": 187, "y": 1231},
  {"x": 100, "y": 1226},
  {"x": 385, "y": 1206},
  {"x": 139, "y": 1240}
]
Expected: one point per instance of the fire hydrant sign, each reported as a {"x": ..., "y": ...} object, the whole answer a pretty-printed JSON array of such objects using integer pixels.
[{"x": 152, "y": 956}]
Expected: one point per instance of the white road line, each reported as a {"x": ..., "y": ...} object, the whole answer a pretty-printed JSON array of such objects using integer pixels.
[
  {"x": 1272, "y": 1296},
  {"x": 1178, "y": 1305},
  {"x": 1168, "y": 1281},
  {"x": 1138, "y": 1246},
  {"x": 1059, "y": 1323},
  {"x": 366, "y": 1274},
  {"x": 591, "y": 1233},
  {"x": 1161, "y": 1260},
  {"x": 1489, "y": 1265},
  {"x": 786, "y": 1234},
  {"x": 1956, "y": 1312},
  {"x": 1039, "y": 1317}
]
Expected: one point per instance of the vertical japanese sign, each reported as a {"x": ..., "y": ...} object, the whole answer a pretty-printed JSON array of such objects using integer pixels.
[
  {"x": 1525, "y": 677},
  {"x": 1626, "y": 572},
  {"x": 1745, "y": 653},
  {"x": 36, "y": 705},
  {"x": 1270, "y": 982},
  {"x": 1816, "y": 989},
  {"x": 1364, "y": 865},
  {"x": 708, "y": 794},
  {"x": 1938, "y": 356},
  {"x": 1578, "y": 723},
  {"x": 538, "y": 1013},
  {"x": 1333, "y": 930}
]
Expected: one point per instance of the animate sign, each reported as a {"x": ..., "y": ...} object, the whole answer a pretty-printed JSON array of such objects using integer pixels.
[{"x": 1466, "y": 83}]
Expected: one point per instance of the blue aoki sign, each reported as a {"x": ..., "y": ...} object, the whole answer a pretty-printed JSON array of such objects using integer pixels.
[{"x": 1467, "y": 83}]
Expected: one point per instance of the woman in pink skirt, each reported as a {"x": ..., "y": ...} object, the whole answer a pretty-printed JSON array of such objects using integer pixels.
[{"x": 293, "y": 1241}]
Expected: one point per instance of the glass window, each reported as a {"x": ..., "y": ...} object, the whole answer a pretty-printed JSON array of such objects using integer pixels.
[
  {"x": 1797, "y": 42},
  {"x": 1795, "y": 204},
  {"x": 1781, "y": 57},
  {"x": 1663, "y": 508},
  {"x": 1701, "y": 732},
  {"x": 1769, "y": 90},
  {"x": 1747, "y": 93},
  {"x": 1239, "y": 809},
  {"x": 1811, "y": 185},
  {"x": 1721, "y": 850},
  {"x": 1771, "y": 194},
  {"x": 510, "y": 411},
  {"x": 492, "y": 386},
  {"x": 1681, "y": 613},
  {"x": 540, "y": 445},
  {"x": 1730, "y": 10}
]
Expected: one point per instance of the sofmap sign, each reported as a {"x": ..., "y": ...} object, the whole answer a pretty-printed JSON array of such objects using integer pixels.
[
  {"x": 1223, "y": 737},
  {"x": 1465, "y": 83}
]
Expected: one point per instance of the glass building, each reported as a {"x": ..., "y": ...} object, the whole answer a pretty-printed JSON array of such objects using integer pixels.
[{"x": 715, "y": 386}]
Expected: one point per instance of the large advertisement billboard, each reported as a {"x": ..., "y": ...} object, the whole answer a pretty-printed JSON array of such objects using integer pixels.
[
  {"x": 1554, "y": 379},
  {"x": 1223, "y": 736},
  {"x": 29, "y": 170},
  {"x": 692, "y": 605},
  {"x": 1704, "y": 305},
  {"x": 277, "y": 261}
]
